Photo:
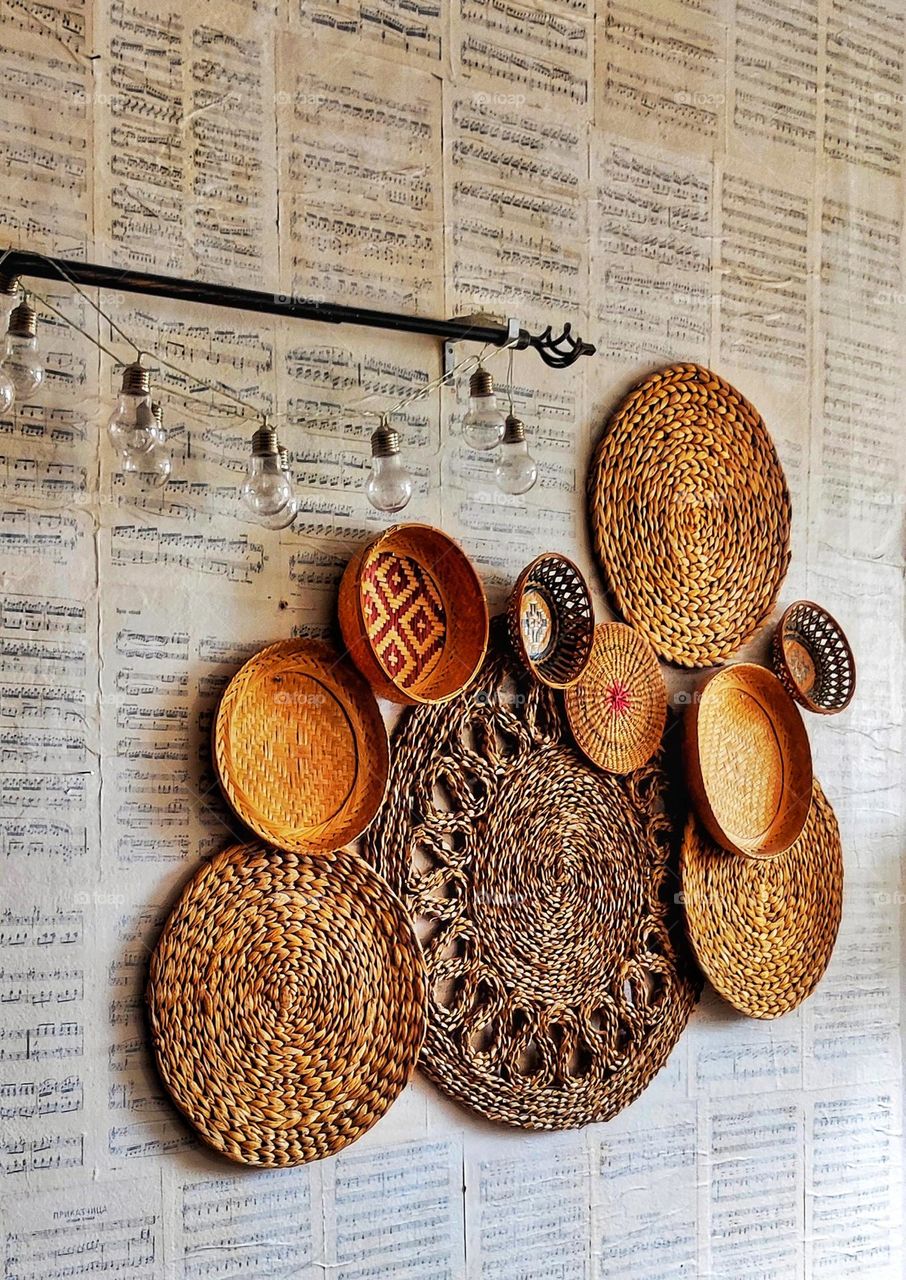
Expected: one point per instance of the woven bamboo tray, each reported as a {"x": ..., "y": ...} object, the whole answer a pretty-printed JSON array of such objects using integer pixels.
[
  {"x": 764, "y": 930},
  {"x": 690, "y": 515},
  {"x": 287, "y": 1003},
  {"x": 300, "y": 747},
  {"x": 748, "y": 761},
  {"x": 543, "y": 891},
  {"x": 618, "y": 707},
  {"x": 413, "y": 615},
  {"x": 813, "y": 660},
  {"x": 552, "y": 620}
]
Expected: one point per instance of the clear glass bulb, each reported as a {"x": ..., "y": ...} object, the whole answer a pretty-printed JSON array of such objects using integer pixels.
[
  {"x": 132, "y": 426},
  {"x": 482, "y": 427},
  {"x": 267, "y": 493},
  {"x": 7, "y": 392},
  {"x": 516, "y": 472},
  {"x": 389, "y": 485},
  {"x": 147, "y": 468},
  {"x": 22, "y": 363}
]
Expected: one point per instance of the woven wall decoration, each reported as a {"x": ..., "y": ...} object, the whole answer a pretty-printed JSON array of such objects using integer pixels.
[
  {"x": 617, "y": 709},
  {"x": 764, "y": 929},
  {"x": 812, "y": 657},
  {"x": 300, "y": 747},
  {"x": 404, "y": 611},
  {"x": 287, "y": 1003},
  {"x": 552, "y": 620},
  {"x": 690, "y": 515},
  {"x": 543, "y": 896}
]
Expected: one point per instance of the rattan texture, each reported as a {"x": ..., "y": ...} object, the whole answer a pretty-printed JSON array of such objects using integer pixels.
[
  {"x": 690, "y": 515},
  {"x": 300, "y": 747},
  {"x": 764, "y": 930},
  {"x": 287, "y": 1003},
  {"x": 618, "y": 707},
  {"x": 812, "y": 657},
  {"x": 552, "y": 621},
  {"x": 749, "y": 761},
  {"x": 543, "y": 893}
]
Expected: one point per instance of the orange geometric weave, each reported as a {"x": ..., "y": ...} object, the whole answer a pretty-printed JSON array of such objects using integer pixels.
[{"x": 405, "y": 617}]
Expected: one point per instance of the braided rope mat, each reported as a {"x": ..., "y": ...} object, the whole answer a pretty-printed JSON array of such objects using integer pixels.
[
  {"x": 287, "y": 1003},
  {"x": 300, "y": 747},
  {"x": 764, "y": 929},
  {"x": 543, "y": 896},
  {"x": 618, "y": 708},
  {"x": 690, "y": 515}
]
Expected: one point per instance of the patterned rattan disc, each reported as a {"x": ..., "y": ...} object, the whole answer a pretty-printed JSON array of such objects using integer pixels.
[
  {"x": 300, "y": 747},
  {"x": 543, "y": 894},
  {"x": 618, "y": 707},
  {"x": 287, "y": 1002},
  {"x": 764, "y": 929},
  {"x": 690, "y": 515}
]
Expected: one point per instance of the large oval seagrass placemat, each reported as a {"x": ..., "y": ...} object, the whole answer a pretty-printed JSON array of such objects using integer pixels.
[
  {"x": 300, "y": 746},
  {"x": 543, "y": 895},
  {"x": 764, "y": 928},
  {"x": 690, "y": 515},
  {"x": 287, "y": 1002}
]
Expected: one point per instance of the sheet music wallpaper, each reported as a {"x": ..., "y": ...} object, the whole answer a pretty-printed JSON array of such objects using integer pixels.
[{"x": 683, "y": 179}]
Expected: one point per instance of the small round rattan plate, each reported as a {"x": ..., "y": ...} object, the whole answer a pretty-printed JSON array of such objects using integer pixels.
[
  {"x": 300, "y": 747},
  {"x": 287, "y": 1003},
  {"x": 618, "y": 707},
  {"x": 543, "y": 892},
  {"x": 690, "y": 515},
  {"x": 764, "y": 929}
]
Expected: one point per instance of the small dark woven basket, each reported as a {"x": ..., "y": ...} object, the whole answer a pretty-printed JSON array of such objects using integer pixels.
[
  {"x": 551, "y": 620},
  {"x": 813, "y": 660}
]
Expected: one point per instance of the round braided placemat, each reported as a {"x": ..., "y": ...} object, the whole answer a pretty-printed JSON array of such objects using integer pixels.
[
  {"x": 287, "y": 1002},
  {"x": 690, "y": 515},
  {"x": 618, "y": 707},
  {"x": 764, "y": 929},
  {"x": 543, "y": 894},
  {"x": 300, "y": 747}
]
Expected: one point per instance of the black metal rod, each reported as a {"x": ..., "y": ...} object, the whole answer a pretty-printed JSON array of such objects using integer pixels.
[{"x": 556, "y": 352}]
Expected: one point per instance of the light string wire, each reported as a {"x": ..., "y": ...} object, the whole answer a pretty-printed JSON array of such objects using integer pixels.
[{"x": 468, "y": 362}]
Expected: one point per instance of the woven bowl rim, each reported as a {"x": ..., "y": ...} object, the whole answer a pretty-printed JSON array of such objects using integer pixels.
[{"x": 515, "y": 606}]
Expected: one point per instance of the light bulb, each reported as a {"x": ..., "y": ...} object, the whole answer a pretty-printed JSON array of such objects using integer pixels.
[
  {"x": 516, "y": 471},
  {"x": 482, "y": 427},
  {"x": 10, "y": 290},
  {"x": 132, "y": 426},
  {"x": 149, "y": 467},
  {"x": 267, "y": 493},
  {"x": 22, "y": 363},
  {"x": 389, "y": 485}
]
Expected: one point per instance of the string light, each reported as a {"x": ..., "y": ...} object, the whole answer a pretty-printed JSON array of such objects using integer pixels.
[
  {"x": 267, "y": 493},
  {"x": 516, "y": 472},
  {"x": 483, "y": 425},
  {"x": 389, "y": 485},
  {"x": 151, "y": 465},
  {"x": 22, "y": 362}
]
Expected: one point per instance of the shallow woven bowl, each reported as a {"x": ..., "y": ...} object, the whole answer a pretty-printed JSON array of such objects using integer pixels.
[
  {"x": 812, "y": 658},
  {"x": 551, "y": 621},
  {"x": 414, "y": 615},
  {"x": 748, "y": 761}
]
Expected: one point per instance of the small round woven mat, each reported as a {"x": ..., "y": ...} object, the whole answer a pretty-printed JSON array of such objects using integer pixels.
[
  {"x": 764, "y": 929},
  {"x": 543, "y": 894},
  {"x": 287, "y": 1003},
  {"x": 300, "y": 747},
  {"x": 618, "y": 707},
  {"x": 690, "y": 515}
]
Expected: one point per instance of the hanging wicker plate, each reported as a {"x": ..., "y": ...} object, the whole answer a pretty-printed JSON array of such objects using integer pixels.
[
  {"x": 764, "y": 930},
  {"x": 552, "y": 620},
  {"x": 748, "y": 761},
  {"x": 812, "y": 658},
  {"x": 287, "y": 1003},
  {"x": 300, "y": 747},
  {"x": 690, "y": 515},
  {"x": 617, "y": 709},
  {"x": 542, "y": 894}
]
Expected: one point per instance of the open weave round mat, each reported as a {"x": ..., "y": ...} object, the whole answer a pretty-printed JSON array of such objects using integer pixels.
[
  {"x": 543, "y": 896},
  {"x": 690, "y": 515},
  {"x": 764, "y": 929},
  {"x": 287, "y": 1002}
]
